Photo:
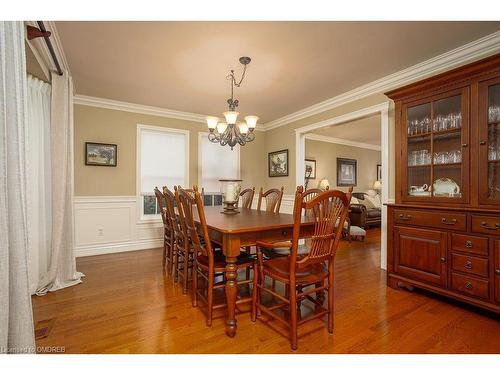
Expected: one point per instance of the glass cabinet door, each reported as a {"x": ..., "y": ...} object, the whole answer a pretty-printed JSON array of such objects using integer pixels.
[
  {"x": 436, "y": 148},
  {"x": 489, "y": 141}
]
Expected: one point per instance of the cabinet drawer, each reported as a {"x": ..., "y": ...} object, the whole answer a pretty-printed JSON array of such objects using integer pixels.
[
  {"x": 486, "y": 224},
  {"x": 469, "y": 264},
  {"x": 444, "y": 220},
  {"x": 470, "y": 285},
  {"x": 469, "y": 244}
]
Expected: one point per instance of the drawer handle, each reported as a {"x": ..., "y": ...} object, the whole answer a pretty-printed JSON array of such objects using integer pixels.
[
  {"x": 482, "y": 143},
  {"x": 284, "y": 233},
  {"x": 468, "y": 265},
  {"x": 485, "y": 225},
  {"x": 446, "y": 222},
  {"x": 405, "y": 218},
  {"x": 497, "y": 272},
  {"x": 468, "y": 244},
  {"x": 468, "y": 285},
  {"x": 443, "y": 260}
]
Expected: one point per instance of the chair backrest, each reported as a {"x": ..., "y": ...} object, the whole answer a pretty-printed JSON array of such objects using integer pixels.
[
  {"x": 160, "y": 199},
  {"x": 247, "y": 197},
  {"x": 189, "y": 200},
  {"x": 328, "y": 210},
  {"x": 182, "y": 234},
  {"x": 170, "y": 210},
  {"x": 273, "y": 199}
]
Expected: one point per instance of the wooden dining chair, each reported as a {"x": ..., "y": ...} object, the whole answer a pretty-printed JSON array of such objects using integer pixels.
[
  {"x": 160, "y": 200},
  {"x": 184, "y": 255},
  {"x": 208, "y": 263},
  {"x": 174, "y": 226},
  {"x": 246, "y": 197},
  {"x": 315, "y": 269},
  {"x": 273, "y": 199}
]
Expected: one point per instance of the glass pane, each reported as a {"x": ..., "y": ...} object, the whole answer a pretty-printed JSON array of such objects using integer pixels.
[
  {"x": 447, "y": 162},
  {"x": 149, "y": 205},
  {"x": 494, "y": 141},
  {"x": 419, "y": 150},
  {"x": 447, "y": 114}
]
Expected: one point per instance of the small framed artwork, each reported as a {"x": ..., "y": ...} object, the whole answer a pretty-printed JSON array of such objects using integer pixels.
[
  {"x": 310, "y": 169},
  {"x": 379, "y": 172},
  {"x": 100, "y": 154},
  {"x": 278, "y": 163},
  {"x": 346, "y": 172}
]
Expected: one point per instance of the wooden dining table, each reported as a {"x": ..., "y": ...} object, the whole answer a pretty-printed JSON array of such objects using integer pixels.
[{"x": 245, "y": 228}]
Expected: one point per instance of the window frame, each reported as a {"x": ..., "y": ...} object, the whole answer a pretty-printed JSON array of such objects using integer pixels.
[
  {"x": 141, "y": 218},
  {"x": 201, "y": 138}
]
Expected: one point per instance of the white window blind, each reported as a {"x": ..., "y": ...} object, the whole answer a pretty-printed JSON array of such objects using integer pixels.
[
  {"x": 162, "y": 159},
  {"x": 217, "y": 162}
]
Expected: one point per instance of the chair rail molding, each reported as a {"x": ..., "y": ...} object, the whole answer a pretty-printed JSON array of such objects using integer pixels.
[{"x": 475, "y": 50}]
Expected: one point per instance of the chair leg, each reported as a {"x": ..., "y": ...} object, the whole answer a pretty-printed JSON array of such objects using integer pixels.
[
  {"x": 164, "y": 256},
  {"x": 176, "y": 265},
  {"x": 330, "y": 298},
  {"x": 255, "y": 293},
  {"x": 185, "y": 274},
  {"x": 293, "y": 316},
  {"x": 210, "y": 298},
  {"x": 195, "y": 284},
  {"x": 320, "y": 295}
]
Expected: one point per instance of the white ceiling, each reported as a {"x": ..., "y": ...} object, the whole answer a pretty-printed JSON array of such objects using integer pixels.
[
  {"x": 183, "y": 65},
  {"x": 366, "y": 130}
]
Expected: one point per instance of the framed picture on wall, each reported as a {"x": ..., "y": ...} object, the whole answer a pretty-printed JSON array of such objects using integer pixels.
[
  {"x": 101, "y": 154},
  {"x": 379, "y": 172},
  {"x": 310, "y": 169},
  {"x": 278, "y": 163},
  {"x": 346, "y": 172}
]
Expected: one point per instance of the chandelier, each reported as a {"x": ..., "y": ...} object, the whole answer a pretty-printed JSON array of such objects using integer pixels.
[{"x": 232, "y": 132}]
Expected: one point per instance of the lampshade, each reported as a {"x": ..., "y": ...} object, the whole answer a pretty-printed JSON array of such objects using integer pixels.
[
  {"x": 221, "y": 127},
  {"x": 212, "y": 122},
  {"x": 251, "y": 121},
  {"x": 377, "y": 185},
  {"x": 231, "y": 116},
  {"x": 243, "y": 127},
  {"x": 324, "y": 184}
]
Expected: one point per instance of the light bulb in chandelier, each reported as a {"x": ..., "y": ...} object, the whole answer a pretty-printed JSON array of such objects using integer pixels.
[
  {"x": 231, "y": 117},
  {"x": 243, "y": 128},
  {"x": 221, "y": 127},
  {"x": 251, "y": 121},
  {"x": 212, "y": 122}
]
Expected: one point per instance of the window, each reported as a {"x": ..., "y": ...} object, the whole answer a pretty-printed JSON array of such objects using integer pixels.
[
  {"x": 216, "y": 162},
  {"x": 163, "y": 155}
]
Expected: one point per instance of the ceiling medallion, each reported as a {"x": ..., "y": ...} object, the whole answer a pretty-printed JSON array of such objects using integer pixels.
[{"x": 231, "y": 132}]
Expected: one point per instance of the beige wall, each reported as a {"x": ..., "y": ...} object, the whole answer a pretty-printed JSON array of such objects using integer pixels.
[
  {"x": 94, "y": 124},
  {"x": 326, "y": 154},
  {"x": 284, "y": 138}
]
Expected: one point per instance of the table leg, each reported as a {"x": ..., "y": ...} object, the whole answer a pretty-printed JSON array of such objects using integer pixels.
[{"x": 231, "y": 291}]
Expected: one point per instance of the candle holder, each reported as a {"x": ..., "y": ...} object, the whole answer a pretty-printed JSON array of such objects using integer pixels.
[{"x": 230, "y": 196}]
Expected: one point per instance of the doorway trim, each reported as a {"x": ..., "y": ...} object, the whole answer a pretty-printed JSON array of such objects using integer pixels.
[{"x": 300, "y": 146}]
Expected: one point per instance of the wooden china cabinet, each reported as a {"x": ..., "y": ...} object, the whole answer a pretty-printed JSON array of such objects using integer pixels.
[{"x": 444, "y": 229}]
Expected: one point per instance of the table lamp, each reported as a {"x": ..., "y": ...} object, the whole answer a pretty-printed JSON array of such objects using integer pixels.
[{"x": 324, "y": 184}]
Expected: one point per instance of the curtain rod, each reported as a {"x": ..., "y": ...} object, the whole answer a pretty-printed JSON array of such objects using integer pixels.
[{"x": 33, "y": 32}]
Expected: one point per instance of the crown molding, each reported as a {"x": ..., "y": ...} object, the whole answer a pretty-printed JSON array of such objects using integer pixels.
[
  {"x": 117, "y": 105},
  {"x": 462, "y": 55},
  {"x": 340, "y": 141}
]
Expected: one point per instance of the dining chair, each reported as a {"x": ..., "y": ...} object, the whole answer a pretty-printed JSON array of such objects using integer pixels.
[
  {"x": 160, "y": 200},
  {"x": 174, "y": 226},
  {"x": 246, "y": 197},
  {"x": 208, "y": 263},
  {"x": 273, "y": 199},
  {"x": 328, "y": 210},
  {"x": 184, "y": 255}
]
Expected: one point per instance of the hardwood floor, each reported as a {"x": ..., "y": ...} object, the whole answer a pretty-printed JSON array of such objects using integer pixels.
[{"x": 127, "y": 305}]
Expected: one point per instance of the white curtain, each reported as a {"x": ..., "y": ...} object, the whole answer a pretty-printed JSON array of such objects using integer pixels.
[
  {"x": 62, "y": 266},
  {"x": 38, "y": 180},
  {"x": 16, "y": 320}
]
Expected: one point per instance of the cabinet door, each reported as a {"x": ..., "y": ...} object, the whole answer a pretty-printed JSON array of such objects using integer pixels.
[
  {"x": 497, "y": 271},
  {"x": 420, "y": 254},
  {"x": 435, "y": 155},
  {"x": 489, "y": 141}
]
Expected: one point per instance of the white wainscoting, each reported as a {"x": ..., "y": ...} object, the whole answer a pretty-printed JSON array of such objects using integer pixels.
[{"x": 108, "y": 224}]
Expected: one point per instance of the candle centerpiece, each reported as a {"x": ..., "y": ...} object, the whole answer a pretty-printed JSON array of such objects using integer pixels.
[{"x": 230, "y": 195}]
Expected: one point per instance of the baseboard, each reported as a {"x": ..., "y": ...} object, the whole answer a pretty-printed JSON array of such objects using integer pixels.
[{"x": 119, "y": 247}]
